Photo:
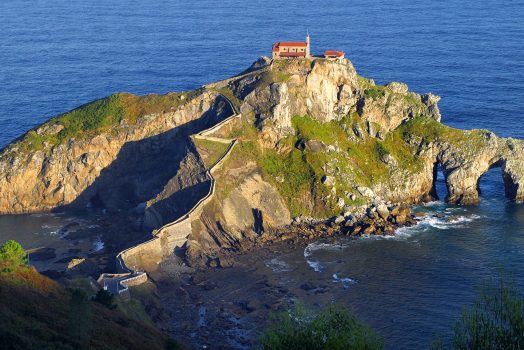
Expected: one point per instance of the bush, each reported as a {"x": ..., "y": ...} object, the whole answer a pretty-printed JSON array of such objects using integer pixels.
[
  {"x": 496, "y": 320},
  {"x": 332, "y": 328},
  {"x": 12, "y": 256},
  {"x": 105, "y": 298}
]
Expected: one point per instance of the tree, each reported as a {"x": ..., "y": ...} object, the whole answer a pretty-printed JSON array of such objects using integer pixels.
[
  {"x": 12, "y": 256},
  {"x": 105, "y": 298},
  {"x": 332, "y": 328}
]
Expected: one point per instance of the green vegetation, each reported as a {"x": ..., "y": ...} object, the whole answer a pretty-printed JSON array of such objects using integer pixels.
[
  {"x": 210, "y": 151},
  {"x": 12, "y": 257},
  {"x": 332, "y": 328},
  {"x": 495, "y": 321},
  {"x": 310, "y": 129},
  {"x": 364, "y": 82},
  {"x": 226, "y": 91},
  {"x": 99, "y": 116},
  {"x": 375, "y": 92},
  {"x": 105, "y": 298},
  {"x": 37, "y": 313},
  {"x": 296, "y": 177},
  {"x": 430, "y": 130},
  {"x": 297, "y": 172}
]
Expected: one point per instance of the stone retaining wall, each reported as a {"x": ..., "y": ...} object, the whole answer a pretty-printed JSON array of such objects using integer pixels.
[{"x": 148, "y": 255}]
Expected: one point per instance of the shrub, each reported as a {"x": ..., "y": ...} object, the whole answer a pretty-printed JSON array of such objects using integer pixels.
[
  {"x": 105, "y": 298},
  {"x": 375, "y": 92},
  {"x": 12, "y": 256},
  {"x": 496, "y": 320},
  {"x": 332, "y": 328}
]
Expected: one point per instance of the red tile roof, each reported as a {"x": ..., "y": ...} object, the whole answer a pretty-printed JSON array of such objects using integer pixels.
[
  {"x": 334, "y": 53},
  {"x": 276, "y": 46},
  {"x": 293, "y": 43}
]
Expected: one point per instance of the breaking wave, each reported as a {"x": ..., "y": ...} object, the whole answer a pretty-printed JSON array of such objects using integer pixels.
[
  {"x": 315, "y": 246},
  {"x": 345, "y": 281}
]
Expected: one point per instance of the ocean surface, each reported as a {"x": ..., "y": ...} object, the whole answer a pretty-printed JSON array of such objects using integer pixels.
[{"x": 57, "y": 55}]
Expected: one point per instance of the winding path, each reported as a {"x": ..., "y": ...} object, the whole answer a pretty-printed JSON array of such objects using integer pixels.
[{"x": 173, "y": 234}]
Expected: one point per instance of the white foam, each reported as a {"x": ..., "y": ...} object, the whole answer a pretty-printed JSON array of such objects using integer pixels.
[
  {"x": 441, "y": 223},
  {"x": 344, "y": 280},
  {"x": 428, "y": 222},
  {"x": 315, "y": 265},
  {"x": 312, "y": 247},
  {"x": 433, "y": 204}
]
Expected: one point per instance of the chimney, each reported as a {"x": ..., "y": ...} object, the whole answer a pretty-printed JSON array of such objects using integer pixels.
[{"x": 308, "y": 49}]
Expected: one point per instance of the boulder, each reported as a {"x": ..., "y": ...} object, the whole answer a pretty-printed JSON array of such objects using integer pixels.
[
  {"x": 366, "y": 191},
  {"x": 383, "y": 211},
  {"x": 328, "y": 180}
]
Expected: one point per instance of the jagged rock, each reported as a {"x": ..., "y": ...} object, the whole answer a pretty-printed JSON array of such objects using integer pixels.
[
  {"x": 51, "y": 129},
  {"x": 74, "y": 263},
  {"x": 328, "y": 180},
  {"x": 358, "y": 131},
  {"x": 371, "y": 129},
  {"x": 339, "y": 219},
  {"x": 431, "y": 101},
  {"x": 312, "y": 146},
  {"x": 365, "y": 191},
  {"x": 85, "y": 170},
  {"x": 383, "y": 211},
  {"x": 399, "y": 88},
  {"x": 388, "y": 159}
]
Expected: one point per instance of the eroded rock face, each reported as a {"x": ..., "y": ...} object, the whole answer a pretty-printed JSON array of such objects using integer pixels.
[
  {"x": 116, "y": 169},
  {"x": 152, "y": 164},
  {"x": 463, "y": 165},
  {"x": 326, "y": 90},
  {"x": 254, "y": 204}
]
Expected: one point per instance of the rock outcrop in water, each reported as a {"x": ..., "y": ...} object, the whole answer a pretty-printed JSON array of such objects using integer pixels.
[{"x": 313, "y": 139}]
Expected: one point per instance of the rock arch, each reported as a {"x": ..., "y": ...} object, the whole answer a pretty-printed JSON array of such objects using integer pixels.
[{"x": 463, "y": 176}]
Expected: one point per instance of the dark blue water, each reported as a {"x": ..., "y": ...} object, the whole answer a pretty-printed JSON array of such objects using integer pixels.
[{"x": 56, "y": 55}]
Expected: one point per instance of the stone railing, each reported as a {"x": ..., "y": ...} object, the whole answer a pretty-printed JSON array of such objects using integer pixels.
[
  {"x": 174, "y": 234},
  {"x": 118, "y": 283},
  {"x": 225, "y": 82}
]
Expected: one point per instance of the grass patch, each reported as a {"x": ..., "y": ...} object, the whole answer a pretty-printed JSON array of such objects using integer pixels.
[
  {"x": 375, "y": 92},
  {"x": 296, "y": 178},
  {"x": 210, "y": 151},
  {"x": 431, "y": 130},
  {"x": 310, "y": 129},
  {"x": 40, "y": 314},
  {"x": 230, "y": 95},
  {"x": 100, "y": 116}
]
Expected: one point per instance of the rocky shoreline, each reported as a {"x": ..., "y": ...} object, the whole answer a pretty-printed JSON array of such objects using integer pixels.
[
  {"x": 229, "y": 301},
  {"x": 376, "y": 220}
]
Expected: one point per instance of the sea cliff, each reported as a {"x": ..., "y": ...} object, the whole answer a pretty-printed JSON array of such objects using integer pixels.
[{"x": 313, "y": 140}]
